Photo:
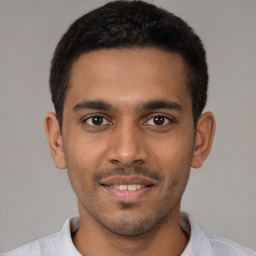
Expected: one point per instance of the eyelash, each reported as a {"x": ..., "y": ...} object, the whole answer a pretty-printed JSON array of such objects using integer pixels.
[
  {"x": 100, "y": 116},
  {"x": 168, "y": 119}
]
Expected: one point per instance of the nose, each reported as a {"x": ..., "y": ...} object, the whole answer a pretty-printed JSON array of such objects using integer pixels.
[{"x": 127, "y": 146}]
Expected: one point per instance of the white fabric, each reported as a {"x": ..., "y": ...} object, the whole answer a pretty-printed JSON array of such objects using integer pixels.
[{"x": 200, "y": 244}]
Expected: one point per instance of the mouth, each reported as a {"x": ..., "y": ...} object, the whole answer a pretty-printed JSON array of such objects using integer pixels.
[
  {"x": 131, "y": 187},
  {"x": 127, "y": 189}
]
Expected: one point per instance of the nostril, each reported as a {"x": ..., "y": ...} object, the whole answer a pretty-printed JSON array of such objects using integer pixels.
[
  {"x": 138, "y": 161},
  {"x": 128, "y": 164},
  {"x": 116, "y": 162}
]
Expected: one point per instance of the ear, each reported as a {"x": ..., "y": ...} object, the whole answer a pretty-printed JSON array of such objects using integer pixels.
[
  {"x": 53, "y": 133},
  {"x": 204, "y": 136}
]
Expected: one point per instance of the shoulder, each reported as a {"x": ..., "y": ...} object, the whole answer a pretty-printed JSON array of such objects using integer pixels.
[
  {"x": 53, "y": 245},
  {"x": 43, "y": 247},
  {"x": 222, "y": 246},
  {"x": 203, "y": 244}
]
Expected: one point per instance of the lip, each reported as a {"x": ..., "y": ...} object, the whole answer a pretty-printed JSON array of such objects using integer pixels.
[
  {"x": 127, "y": 196},
  {"x": 126, "y": 180}
]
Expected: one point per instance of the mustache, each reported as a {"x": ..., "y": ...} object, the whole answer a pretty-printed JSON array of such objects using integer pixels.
[{"x": 127, "y": 171}]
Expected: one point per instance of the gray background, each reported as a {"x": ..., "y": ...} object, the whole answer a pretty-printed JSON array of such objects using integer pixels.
[{"x": 36, "y": 198}]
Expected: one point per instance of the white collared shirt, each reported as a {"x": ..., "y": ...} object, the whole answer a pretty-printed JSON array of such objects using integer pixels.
[{"x": 200, "y": 243}]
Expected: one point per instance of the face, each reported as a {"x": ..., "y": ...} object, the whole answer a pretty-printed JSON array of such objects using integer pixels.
[{"x": 128, "y": 137}]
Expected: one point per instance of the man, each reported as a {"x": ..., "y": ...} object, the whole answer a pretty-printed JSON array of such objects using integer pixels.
[{"x": 129, "y": 84}]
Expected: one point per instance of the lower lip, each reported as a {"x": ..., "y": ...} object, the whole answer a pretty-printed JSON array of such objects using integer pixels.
[{"x": 127, "y": 196}]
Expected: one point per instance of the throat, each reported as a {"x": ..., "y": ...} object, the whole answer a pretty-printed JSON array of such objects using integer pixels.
[{"x": 157, "y": 242}]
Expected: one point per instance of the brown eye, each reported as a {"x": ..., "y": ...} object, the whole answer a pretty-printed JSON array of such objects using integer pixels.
[
  {"x": 97, "y": 121},
  {"x": 159, "y": 120}
]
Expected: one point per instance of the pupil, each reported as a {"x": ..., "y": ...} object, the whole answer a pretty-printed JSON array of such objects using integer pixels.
[
  {"x": 97, "y": 120},
  {"x": 159, "y": 120}
]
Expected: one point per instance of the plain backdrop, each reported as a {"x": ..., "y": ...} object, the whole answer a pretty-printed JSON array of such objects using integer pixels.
[{"x": 36, "y": 198}]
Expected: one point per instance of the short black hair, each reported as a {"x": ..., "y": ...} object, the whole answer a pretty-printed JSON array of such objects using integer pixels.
[{"x": 130, "y": 24}]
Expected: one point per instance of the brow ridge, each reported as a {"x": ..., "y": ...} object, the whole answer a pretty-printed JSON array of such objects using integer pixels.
[
  {"x": 158, "y": 104},
  {"x": 93, "y": 104},
  {"x": 149, "y": 105}
]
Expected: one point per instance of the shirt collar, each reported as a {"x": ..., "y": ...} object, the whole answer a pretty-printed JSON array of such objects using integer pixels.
[
  {"x": 198, "y": 242},
  {"x": 64, "y": 241}
]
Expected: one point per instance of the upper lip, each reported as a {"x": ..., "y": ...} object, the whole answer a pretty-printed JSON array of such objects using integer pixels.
[{"x": 126, "y": 180}]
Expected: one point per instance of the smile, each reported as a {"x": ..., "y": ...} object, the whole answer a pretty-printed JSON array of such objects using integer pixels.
[{"x": 128, "y": 187}]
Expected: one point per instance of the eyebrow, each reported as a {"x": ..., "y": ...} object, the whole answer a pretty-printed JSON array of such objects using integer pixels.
[
  {"x": 93, "y": 104},
  {"x": 150, "y": 105},
  {"x": 156, "y": 104}
]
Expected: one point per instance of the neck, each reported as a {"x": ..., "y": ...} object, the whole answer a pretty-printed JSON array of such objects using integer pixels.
[{"x": 166, "y": 239}]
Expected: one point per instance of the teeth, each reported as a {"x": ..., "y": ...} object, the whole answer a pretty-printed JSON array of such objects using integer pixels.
[
  {"x": 128, "y": 187},
  {"x": 138, "y": 186},
  {"x": 123, "y": 187},
  {"x": 132, "y": 187}
]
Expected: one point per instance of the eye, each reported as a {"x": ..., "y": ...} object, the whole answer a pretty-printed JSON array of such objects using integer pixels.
[
  {"x": 97, "y": 120},
  {"x": 158, "y": 120}
]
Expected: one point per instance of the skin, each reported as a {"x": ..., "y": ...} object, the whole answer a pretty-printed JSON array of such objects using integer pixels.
[{"x": 129, "y": 91}]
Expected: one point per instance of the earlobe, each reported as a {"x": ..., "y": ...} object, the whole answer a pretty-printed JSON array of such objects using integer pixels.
[
  {"x": 204, "y": 137},
  {"x": 53, "y": 133}
]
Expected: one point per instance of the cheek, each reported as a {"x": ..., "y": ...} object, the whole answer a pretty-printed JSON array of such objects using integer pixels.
[
  {"x": 83, "y": 157},
  {"x": 175, "y": 151},
  {"x": 81, "y": 152},
  {"x": 174, "y": 157},
  {"x": 79, "y": 162}
]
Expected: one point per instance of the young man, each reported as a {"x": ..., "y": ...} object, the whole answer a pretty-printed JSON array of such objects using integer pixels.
[{"x": 129, "y": 84}]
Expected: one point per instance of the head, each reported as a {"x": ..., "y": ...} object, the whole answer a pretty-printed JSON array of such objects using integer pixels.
[
  {"x": 130, "y": 24},
  {"x": 129, "y": 83}
]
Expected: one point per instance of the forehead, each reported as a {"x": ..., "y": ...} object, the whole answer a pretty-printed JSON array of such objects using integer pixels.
[{"x": 129, "y": 76}]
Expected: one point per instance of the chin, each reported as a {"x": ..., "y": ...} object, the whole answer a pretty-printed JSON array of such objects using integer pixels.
[{"x": 130, "y": 225}]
